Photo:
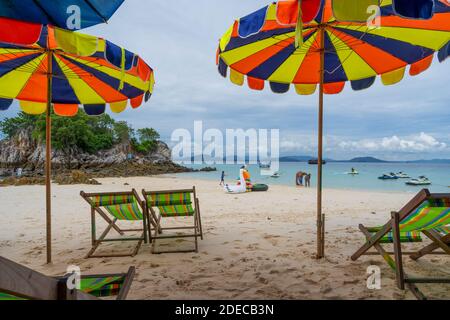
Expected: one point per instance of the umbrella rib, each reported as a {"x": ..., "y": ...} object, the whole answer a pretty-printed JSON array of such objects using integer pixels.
[{"x": 90, "y": 4}]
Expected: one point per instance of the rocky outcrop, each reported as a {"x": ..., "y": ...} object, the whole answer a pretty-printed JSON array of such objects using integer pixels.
[{"x": 23, "y": 151}]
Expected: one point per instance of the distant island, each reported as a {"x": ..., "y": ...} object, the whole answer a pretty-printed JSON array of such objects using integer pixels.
[{"x": 360, "y": 160}]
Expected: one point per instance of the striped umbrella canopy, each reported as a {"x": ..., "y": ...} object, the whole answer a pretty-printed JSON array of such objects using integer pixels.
[
  {"x": 273, "y": 45},
  {"x": 67, "y": 14},
  {"x": 85, "y": 70},
  {"x": 45, "y": 67}
]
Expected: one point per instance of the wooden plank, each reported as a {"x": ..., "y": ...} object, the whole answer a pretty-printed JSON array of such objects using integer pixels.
[
  {"x": 127, "y": 284},
  {"x": 26, "y": 283},
  {"x": 430, "y": 249},
  {"x": 400, "y": 275},
  {"x": 147, "y": 193}
]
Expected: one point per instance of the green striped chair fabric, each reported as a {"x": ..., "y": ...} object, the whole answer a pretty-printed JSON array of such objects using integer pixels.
[
  {"x": 129, "y": 212},
  {"x": 122, "y": 207},
  {"x": 414, "y": 236},
  {"x": 172, "y": 204},
  {"x": 99, "y": 287},
  {"x": 431, "y": 214},
  {"x": 102, "y": 287},
  {"x": 110, "y": 200}
]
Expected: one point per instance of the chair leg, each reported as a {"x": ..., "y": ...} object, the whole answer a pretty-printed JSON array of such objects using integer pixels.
[
  {"x": 196, "y": 228},
  {"x": 93, "y": 227},
  {"x": 144, "y": 225},
  {"x": 149, "y": 229},
  {"x": 398, "y": 251},
  {"x": 100, "y": 239},
  {"x": 197, "y": 206},
  {"x": 432, "y": 247},
  {"x": 157, "y": 228}
]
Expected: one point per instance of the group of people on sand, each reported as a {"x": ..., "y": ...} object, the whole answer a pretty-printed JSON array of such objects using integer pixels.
[{"x": 303, "y": 179}]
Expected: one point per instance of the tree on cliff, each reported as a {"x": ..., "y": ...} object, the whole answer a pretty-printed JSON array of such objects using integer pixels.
[{"x": 82, "y": 132}]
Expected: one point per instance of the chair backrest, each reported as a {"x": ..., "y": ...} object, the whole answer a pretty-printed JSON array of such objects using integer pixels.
[
  {"x": 430, "y": 214},
  {"x": 121, "y": 205},
  {"x": 172, "y": 202}
]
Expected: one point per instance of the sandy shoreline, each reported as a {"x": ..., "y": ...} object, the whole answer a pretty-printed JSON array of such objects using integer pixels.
[{"x": 256, "y": 246}]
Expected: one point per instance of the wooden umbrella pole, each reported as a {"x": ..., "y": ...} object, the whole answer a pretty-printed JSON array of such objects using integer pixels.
[
  {"x": 320, "y": 231},
  {"x": 48, "y": 158}
]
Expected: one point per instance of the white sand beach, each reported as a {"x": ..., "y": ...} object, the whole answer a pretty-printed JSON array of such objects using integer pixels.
[{"x": 256, "y": 246}]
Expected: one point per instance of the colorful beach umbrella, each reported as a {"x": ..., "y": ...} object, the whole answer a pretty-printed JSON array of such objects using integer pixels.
[
  {"x": 67, "y": 14},
  {"x": 48, "y": 68},
  {"x": 262, "y": 47}
]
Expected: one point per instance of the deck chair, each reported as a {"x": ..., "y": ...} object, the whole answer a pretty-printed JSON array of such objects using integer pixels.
[
  {"x": 22, "y": 283},
  {"x": 426, "y": 213},
  {"x": 161, "y": 205},
  {"x": 115, "y": 207}
]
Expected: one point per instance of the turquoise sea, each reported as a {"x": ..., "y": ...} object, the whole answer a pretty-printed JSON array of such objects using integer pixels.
[{"x": 336, "y": 177}]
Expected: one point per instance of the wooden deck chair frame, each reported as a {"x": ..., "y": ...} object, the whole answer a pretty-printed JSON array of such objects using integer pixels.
[
  {"x": 112, "y": 225},
  {"x": 439, "y": 242},
  {"x": 25, "y": 283},
  {"x": 403, "y": 280},
  {"x": 155, "y": 219}
]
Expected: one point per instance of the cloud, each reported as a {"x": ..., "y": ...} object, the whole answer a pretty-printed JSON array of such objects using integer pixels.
[
  {"x": 416, "y": 143},
  {"x": 391, "y": 147}
]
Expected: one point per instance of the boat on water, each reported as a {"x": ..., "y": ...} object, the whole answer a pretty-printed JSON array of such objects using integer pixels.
[
  {"x": 316, "y": 162},
  {"x": 276, "y": 175},
  {"x": 402, "y": 175},
  {"x": 390, "y": 176},
  {"x": 421, "y": 181}
]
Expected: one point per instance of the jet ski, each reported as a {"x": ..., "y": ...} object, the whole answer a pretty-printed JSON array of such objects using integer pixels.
[
  {"x": 275, "y": 175},
  {"x": 421, "y": 181},
  {"x": 390, "y": 176},
  {"x": 402, "y": 175}
]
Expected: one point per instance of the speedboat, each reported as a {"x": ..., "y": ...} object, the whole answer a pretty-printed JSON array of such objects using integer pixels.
[
  {"x": 421, "y": 181},
  {"x": 275, "y": 175},
  {"x": 390, "y": 176},
  {"x": 402, "y": 175}
]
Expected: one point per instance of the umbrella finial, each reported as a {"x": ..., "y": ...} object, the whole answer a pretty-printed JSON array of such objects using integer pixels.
[{"x": 299, "y": 27}]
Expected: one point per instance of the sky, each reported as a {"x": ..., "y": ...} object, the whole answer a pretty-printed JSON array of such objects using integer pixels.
[{"x": 179, "y": 40}]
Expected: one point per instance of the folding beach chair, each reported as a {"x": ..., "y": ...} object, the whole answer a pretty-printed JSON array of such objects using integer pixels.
[
  {"x": 21, "y": 283},
  {"x": 115, "y": 207},
  {"x": 161, "y": 205},
  {"x": 426, "y": 213}
]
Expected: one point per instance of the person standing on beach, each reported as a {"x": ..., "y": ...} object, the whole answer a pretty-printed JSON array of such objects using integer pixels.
[
  {"x": 222, "y": 179},
  {"x": 308, "y": 180},
  {"x": 299, "y": 179}
]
